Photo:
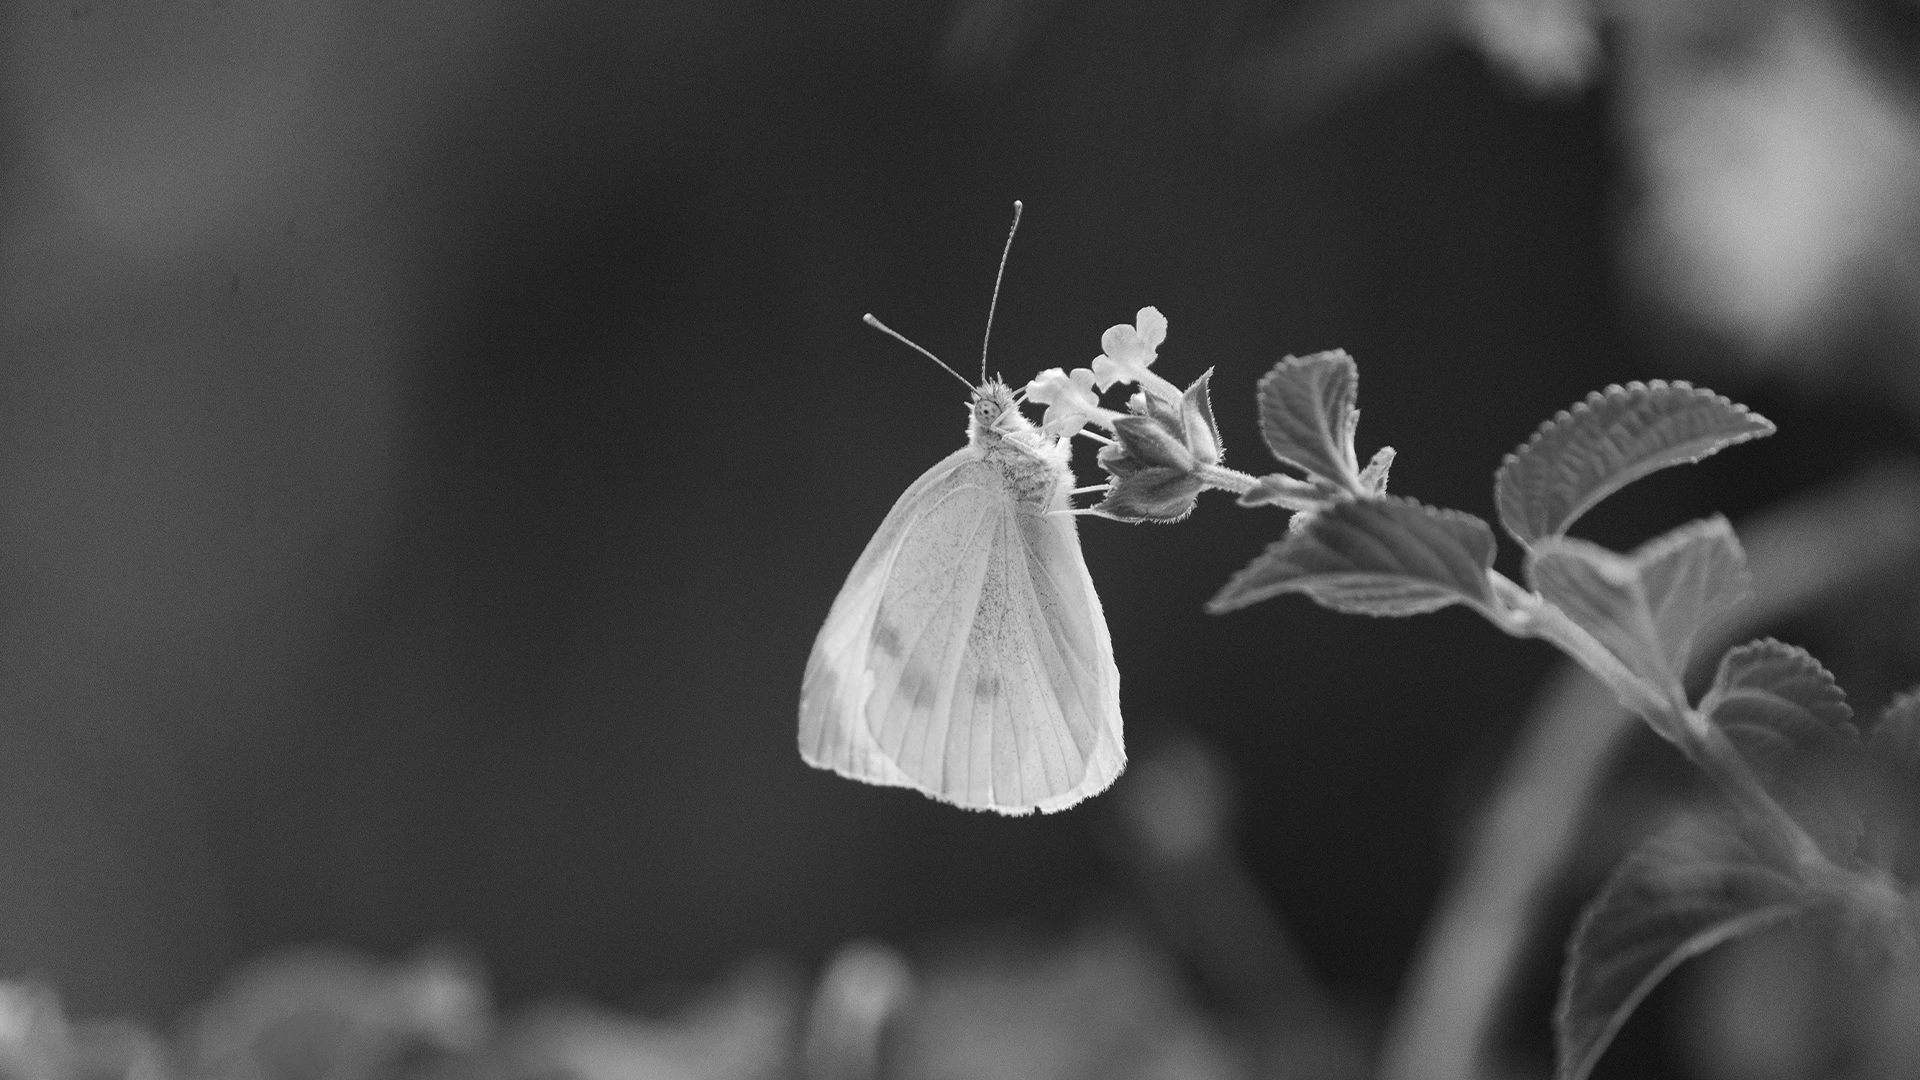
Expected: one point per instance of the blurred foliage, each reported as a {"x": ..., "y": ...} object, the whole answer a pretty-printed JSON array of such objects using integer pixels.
[
  {"x": 1771, "y": 190},
  {"x": 1199, "y": 984}
]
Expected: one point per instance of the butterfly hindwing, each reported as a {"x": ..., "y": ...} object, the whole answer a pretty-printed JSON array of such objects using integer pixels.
[{"x": 1073, "y": 651}]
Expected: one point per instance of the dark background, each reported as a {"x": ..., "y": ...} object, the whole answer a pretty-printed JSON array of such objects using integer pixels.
[{"x": 431, "y": 436}]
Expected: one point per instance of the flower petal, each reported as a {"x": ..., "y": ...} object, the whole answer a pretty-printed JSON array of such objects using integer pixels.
[
  {"x": 1107, "y": 372},
  {"x": 1151, "y": 326},
  {"x": 1070, "y": 400},
  {"x": 1051, "y": 386}
]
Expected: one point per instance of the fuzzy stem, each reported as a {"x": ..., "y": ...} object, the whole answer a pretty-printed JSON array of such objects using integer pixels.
[
  {"x": 1226, "y": 479},
  {"x": 1524, "y": 613}
]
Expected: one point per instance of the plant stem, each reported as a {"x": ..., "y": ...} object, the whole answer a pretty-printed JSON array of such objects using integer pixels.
[
  {"x": 1708, "y": 747},
  {"x": 1526, "y": 613},
  {"x": 1226, "y": 479}
]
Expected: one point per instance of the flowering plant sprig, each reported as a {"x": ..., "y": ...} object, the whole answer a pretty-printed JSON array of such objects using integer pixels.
[
  {"x": 1165, "y": 449},
  {"x": 1780, "y": 845}
]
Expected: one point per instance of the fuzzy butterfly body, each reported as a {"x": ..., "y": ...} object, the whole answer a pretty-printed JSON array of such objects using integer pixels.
[{"x": 967, "y": 656}]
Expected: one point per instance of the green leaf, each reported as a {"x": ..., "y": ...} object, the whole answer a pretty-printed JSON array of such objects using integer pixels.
[
  {"x": 1785, "y": 715},
  {"x": 1646, "y": 608},
  {"x": 1608, "y": 441},
  {"x": 1694, "y": 886},
  {"x": 1776, "y": 703},
  {"x": 1373, "y": 557},
  {"x": 1307, "y": 415}
]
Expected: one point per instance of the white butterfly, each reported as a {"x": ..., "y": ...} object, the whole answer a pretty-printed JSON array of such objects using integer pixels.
[{"x": 967, "y": 656}]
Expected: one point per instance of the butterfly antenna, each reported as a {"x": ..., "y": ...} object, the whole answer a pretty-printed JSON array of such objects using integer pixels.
[
  {"x": 903, "y": 339},
  {"x": 995, "y": 302}
]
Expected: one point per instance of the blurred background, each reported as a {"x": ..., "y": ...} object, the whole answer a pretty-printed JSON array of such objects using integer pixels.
[{"x": 431, "y": 434}]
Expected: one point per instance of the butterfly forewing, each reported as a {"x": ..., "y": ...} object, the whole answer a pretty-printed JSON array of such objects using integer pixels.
[
  {"x": 837, "y": 679},
  {"x": 836, "y": 669},
  {"x": 1056, "y": 721}
]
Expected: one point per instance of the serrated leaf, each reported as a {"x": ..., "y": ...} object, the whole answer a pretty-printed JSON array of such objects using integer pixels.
[
  {"x": 1372, "y": 557},
  {"x": 1776, "y": 702},
  {"x": 1307, "y": 415},
  {"x": 1785, "y": 715},
  {"x": 1693, "y": 887},
  {"x": 1608, "y": 441},
  {"x": 1646, "y": 608}
]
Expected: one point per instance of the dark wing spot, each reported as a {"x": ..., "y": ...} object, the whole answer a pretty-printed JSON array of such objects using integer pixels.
[
  {"x": 886, "y": 639},
  {"x": 918, "y": 685}
]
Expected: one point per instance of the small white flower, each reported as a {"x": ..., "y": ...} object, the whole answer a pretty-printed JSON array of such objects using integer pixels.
[
  {"x": 1070, "y": 400},
  {"x": 1129, "y": 350}
]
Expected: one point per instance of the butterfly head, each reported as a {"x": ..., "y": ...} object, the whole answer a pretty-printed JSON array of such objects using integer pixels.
[{"x": 996, "y": 412}]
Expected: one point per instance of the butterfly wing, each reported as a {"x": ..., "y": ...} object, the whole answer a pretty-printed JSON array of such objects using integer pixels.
[
  {"x": 967, "y": 655},
  {"x": 1045, "y": 695},
  {"x": 838, "y": 681}
]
